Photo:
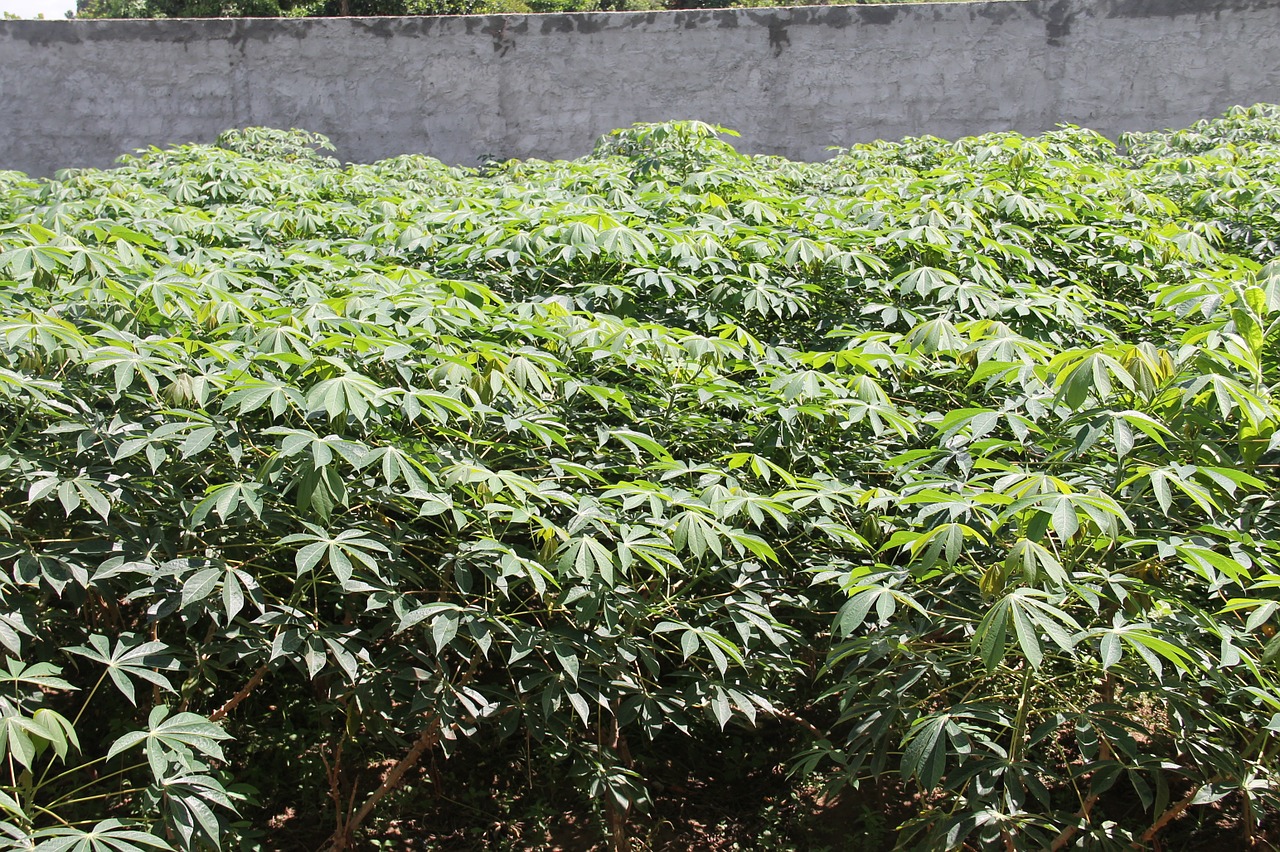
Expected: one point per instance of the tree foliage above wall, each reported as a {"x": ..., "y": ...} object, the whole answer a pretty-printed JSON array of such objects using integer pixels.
[
  {"x": 331, "y": 8},
  {"x": 957, "y": 461}
]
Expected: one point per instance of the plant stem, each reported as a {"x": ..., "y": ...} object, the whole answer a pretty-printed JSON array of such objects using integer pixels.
[
  {"x": 94, "y": 782},
  {"x": 428, "y": 737},
  {"x": 97, "y": 796},
  {"x": 1020, "y": 722},
  {"x": 234, "y": 701},
  {"x": 85, "y": 704},
  {"x": 1107, "y": 693},
  {"x": 1167, "y": 817}
]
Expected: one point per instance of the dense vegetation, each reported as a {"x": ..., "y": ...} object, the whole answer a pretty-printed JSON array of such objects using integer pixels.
[{"x": 948, "y": 469}]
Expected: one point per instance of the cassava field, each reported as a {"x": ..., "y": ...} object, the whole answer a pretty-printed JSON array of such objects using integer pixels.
[{"x": 664, "y": 499}]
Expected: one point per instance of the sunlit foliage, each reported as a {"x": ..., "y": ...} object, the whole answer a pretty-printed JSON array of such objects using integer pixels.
[{"x": 960, "y": 458}]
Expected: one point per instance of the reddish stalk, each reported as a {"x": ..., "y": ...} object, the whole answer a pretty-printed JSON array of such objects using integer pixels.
[
  {"x": 1167, "y": 817},
  {"x": 341, "y": 838},
  {"x": 235, "y": 700}
]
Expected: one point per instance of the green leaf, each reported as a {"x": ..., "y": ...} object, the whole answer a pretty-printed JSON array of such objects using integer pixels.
[
  {"x": 925, "y": 753},
  {"x": 444, "y": 627},
  {"x": 200, "y": 585},
  {"x": 110, "y": 835},
  {"x": 130, "y": 658},
  {"x": 168, "y": 734}
]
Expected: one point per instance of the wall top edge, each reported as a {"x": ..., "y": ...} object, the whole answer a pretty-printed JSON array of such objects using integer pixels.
[{"x": 839, "y": 16}]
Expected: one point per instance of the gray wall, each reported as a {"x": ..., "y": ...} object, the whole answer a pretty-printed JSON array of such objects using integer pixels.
[{"x": 793, "y": 81}]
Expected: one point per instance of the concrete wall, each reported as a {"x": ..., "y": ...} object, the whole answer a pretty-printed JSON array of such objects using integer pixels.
[{"x": 793, "y": 81}]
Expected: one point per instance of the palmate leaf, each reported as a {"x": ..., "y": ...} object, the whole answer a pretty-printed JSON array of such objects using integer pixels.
[
  {"x": 639, "y": 543},
  {"x": 191, "y": 801},
  {"x": 1033, "y": 560},
  {"x": 111, "y": 835},
  {"x": 131, "y": 658},
  {"x": 637, "y": 441},
  {"x": 72, "y": 494},
  {"x": 349, "y": 394},
  {"x": 721, "y": 650},
  {"x": 879, "y": 592},
  {"x": 585, "y": 556},
  {"x": 1032, "y": 616},
  {"x": 1144, "y": 641},
  {"x": 13, "y": 838},
  {"x": 699, "y": 534},
  {"x": 322, "y": 450},
  {"x": 16, "y": 741},
  {"x": 422, "y": 613},
  {"x": 21, "y": 387},
  {"x": 1067, "y": 514},
  {"x": 1227, "y": 396},
  {"x": 56, "y": 730},
  {"x": 924, "y": 280},
  {"x": 1080, "y": 374},
  {"x": 44, "y": 676},
  {"x": 252, "y": 393},
  {"x": 171, "y": 740},
  {"x": 936, "y": 337},
  {"x": 238, "y": 586},
  {"x": 24, "y": 737},
  {"x": 320, "y": 492},
  {"x": 931, "y": 741},
  {"x": 341, "y": 552},
  {"x": 227, "y": 499},
  {"x": 1179, "y": 477},
  {"x": 1211, "y": 564},
  {"x": 26, "y": 262},
  {"x": 945, "y": 542}
]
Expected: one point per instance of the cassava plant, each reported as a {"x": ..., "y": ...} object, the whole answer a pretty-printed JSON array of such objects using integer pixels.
[{"x": 954, "y": 460}]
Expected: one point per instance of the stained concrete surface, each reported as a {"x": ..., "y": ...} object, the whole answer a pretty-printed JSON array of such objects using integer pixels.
[{"x": 793, "y": 81}]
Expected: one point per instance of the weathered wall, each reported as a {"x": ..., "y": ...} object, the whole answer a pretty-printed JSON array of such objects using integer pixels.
[{"x": 793, "y": 81}]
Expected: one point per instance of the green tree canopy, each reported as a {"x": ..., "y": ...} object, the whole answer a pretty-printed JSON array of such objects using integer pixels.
[{"x": 330, "y": 8}]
